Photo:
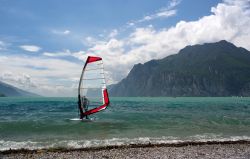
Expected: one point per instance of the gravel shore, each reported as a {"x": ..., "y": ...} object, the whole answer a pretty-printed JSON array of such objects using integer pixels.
[{"x": 207, "y": 151}]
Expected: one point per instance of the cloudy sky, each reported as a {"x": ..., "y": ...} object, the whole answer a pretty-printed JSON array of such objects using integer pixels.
[{"x": 43, "y": 44}]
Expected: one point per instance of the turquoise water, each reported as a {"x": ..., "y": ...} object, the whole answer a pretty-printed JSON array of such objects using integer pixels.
[{"x": 45, "y": 122}]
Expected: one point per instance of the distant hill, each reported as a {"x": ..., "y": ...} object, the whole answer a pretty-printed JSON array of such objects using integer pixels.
[
  {"x": 211, "y": 69},
  {"x": 8, "y": 90},
  {"x": 2, "y": 95}
]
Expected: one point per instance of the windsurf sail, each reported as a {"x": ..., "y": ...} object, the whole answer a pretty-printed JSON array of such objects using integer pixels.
[{"x": 92, "y": 91}]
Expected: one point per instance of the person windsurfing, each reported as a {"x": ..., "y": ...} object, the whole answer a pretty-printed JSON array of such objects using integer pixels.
[{"x": 85, "y": 104}]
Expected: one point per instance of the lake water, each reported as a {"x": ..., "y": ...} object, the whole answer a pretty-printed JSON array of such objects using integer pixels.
[{"x": 46, "y": 122}]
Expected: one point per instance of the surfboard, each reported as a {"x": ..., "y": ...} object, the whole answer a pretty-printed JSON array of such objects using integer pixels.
[
  {"x": 75, "y": 119},
  {"x": 82, "y": 120}
]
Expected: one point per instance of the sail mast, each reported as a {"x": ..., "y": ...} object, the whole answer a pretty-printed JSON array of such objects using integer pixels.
[{"x": 80, "y": 102}]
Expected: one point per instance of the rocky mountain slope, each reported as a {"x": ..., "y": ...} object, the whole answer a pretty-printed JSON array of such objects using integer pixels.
[{"x": 211, "y": 69}]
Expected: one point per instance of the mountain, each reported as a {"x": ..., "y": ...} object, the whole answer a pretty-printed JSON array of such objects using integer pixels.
[
  {"x": 8, "y": 90},
  {"x": 210, "y": 69},
  {"x": 2, "y": 95}
]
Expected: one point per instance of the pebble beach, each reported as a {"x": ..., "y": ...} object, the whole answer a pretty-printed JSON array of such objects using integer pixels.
[{"x": 204, "y": 151}]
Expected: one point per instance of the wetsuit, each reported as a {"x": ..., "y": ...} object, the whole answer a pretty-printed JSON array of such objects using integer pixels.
[{"x": 85, "y": 105}]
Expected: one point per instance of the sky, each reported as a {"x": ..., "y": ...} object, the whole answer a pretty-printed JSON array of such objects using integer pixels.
[{"x": 44, "y": 43}]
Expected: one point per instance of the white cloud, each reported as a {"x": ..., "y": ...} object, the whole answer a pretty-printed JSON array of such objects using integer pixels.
[
  {"x": 3, "y": 45},
  {"x": 66, "y": 32},
  {"x": 81, "y": 55},
  {"x": 113, "y": 33},
  {"x": 166, "y": 13},
  {"x": 162, "y": 13},
  {"x": 30, "y": 48},
  {"x": 131, "y": 24},
  {"x": 57, "y": 54},
  {"x": 61, "y": 32},
  {"x": 21, "y": 80},
  {"x": 90, "y": 41},
  {"x": 174, "y": 3},
  {"x": 142, "y": 35},
  {"x": 3, "y": 58}
]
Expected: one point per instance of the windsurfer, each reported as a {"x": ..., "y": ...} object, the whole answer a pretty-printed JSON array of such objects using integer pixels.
[{"x": 85, "y": 105}]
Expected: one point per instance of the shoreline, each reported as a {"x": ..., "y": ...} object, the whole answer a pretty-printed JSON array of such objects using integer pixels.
[
  {"x": 204, "y": 150},
  {"x": 128, "y": 146}
]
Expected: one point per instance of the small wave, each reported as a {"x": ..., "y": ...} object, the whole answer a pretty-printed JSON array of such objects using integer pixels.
[{"x": 76, "y": 144}]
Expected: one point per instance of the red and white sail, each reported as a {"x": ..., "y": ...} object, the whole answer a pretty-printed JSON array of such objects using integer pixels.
[{"x": 92, "y": 85}]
